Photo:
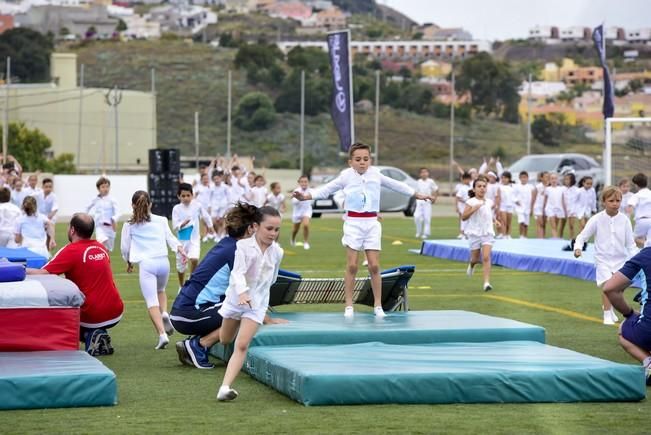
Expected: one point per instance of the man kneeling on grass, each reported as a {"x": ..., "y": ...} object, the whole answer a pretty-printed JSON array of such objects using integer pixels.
[
  {"x": 635, "y": 330},
  {"x": 86, "y": 263}
]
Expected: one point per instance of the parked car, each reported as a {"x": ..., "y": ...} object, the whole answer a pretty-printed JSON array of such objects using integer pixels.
[
  {"x": 580, "y": 164},
  {"x": 389, "y": 200}
]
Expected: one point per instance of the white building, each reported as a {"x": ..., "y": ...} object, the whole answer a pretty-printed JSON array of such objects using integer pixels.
[
  {"x": 575, "y": 33},
  {"x": 402, "y": 49},
  {"x": 182, "y": 19},
  {"x": 543, "y": 33},
  {"x": 639, "y": 36},
  {"x": 542, "y": 89},
  {"x": 139, "y": 27}
]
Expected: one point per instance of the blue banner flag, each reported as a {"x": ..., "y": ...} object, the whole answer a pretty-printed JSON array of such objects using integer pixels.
[
  {"x": 341, "y": 107},
  {"x": 609, "y": 97}
]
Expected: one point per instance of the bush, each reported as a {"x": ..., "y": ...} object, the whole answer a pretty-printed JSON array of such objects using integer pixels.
[{"x": 255, "y": 111}]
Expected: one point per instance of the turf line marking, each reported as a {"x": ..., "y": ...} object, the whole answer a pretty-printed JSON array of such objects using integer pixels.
[{"x": 544, "y": 307}]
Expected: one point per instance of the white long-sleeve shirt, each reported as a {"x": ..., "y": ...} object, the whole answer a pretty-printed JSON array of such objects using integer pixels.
[
  {"x": 254, "y": 272},
  {"x": 613, "y": 241},
  {"x": 523, "y": 196},
  {"x": 104, "y": 209},
  {"x": 641, "y": 203},
  {"x": 147, "y": 240},
  {"x": 47, "y": 205},
  {"x": 480, "y": 223},
  {"x": 362, "y": 191},
  {"x": 192, "y": 212},
  {"x": 9, "y": 215}
]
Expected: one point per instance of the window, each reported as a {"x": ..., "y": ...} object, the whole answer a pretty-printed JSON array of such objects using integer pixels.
[
  {"x": 393, "y": 173},
  {"x": 581, "y": 164}
]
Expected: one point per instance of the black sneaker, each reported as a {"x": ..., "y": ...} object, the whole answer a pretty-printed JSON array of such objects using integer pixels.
[
  {"x": 184, "y": 358},
  {"x": 105, "y": 347},
  {"x": 198, "y": 354}
]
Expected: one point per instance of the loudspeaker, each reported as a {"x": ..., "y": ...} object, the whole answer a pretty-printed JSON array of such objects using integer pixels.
[
  {"x": 157, "y": 161},
  {"x": 173, "y": 160}
]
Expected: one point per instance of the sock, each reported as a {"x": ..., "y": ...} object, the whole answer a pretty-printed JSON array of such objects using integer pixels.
[{"x": 647, "y": 361}]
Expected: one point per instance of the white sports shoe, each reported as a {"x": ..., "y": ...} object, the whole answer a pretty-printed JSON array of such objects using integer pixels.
[
  {"x": 379, "y": 312},
  {"x": 167, "y": 323},
  {"x": 365, "y": 263},
  {"x": 163, "y": 341},
  {"x": 470, "y": 269},
  {"x": 417, "y": 235},
  {"x": 424, "y": 236},
  {"x": 488, "y": 286},
  {"x": 608, "y": 320},
  {"x": 613, "y": 316},
  {"x": 226, "y": 393},
  {"x": 349, "y": 312},
  {"x": 306, "y": 246}
]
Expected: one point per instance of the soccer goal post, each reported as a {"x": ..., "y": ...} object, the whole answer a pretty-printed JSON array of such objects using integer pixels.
[{"x": 633, "y": 148}]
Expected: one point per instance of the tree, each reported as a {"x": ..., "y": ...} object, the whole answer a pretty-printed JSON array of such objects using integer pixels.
[
  {"x": 30, "y": 54},
  {"x": 255, "y": 111},
  {"x": 549, "y": 129},
  {"x": 31, "y": 147},
  {"x": 121, "y": 27},
  {"x": 310, "y": 59},
  {"x": 257, "y": 55},
  {"x": 492, "y": 85},
  {"x": 317, "y": 94}
]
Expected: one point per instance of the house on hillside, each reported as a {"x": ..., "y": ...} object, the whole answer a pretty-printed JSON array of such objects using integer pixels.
[
  {"x": 576, "y": 33},
  {"x": 544, "y": 33},
  {"x": 76, "y": 20},
  {"x": 183, "y": 20},
  {"x": 292, "y": 10},
  {"x": 435, "y": 69},
  {"x": 639, "y": 36},
  {"x": 140, "y": 27},
  {"x": 572, "y": 74},
  {"x": 331, "y": 19}
]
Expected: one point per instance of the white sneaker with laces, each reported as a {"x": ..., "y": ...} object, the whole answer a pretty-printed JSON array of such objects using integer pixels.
[
  {"x": 163, "y": 341},
  {"x": 226, "y": 393},
  {"x": 470, "y": 269},
  {"x": 306, "y": 246},
  {"x": 607, "y": 319},
  {"x": 167, "y": 323},
  {"x": 379, "y": 312},
  {"x": 349, "y": 312}
]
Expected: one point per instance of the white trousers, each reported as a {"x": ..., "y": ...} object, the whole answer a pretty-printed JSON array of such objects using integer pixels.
[
  {"x": 154, "y": 273},
  {"x": 423, "y": 217}
]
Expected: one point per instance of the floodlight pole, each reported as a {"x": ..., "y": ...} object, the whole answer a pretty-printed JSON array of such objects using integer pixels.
[
  {"x": 453, "y": 101},
  {"x": 5, "y": 122},
  {"x": 81, "y": 111}
]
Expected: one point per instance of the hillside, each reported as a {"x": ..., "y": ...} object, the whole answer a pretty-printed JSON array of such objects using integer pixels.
[{"x": 193, "y": 77}]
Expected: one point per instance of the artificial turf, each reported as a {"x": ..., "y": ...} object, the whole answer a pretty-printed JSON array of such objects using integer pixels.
[{"x": 158, "y": 395}]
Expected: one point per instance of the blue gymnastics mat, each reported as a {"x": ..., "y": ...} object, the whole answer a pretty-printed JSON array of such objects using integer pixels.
[
  {"x": 54, "y": 379},
  {"x": 500, "y": 372},
  {"x": 413, "y": 327},
  {"x": 23, "y": 255},
  {"x": 532, "y": 255}
]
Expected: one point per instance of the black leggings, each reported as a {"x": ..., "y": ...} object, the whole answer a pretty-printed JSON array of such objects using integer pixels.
[{"x": 197, "y": 322}]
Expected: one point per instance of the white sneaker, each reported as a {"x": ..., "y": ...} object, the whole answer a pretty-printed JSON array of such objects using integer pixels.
[
  {"x": 298, "y": 244},
  {"x": 349, "y": 312},
  {"x": 461, "y": 236},
  {"x": 417, "y": 236},
  {"x": 470, "y": 269},
  {"x": 226, "y": 393},
  {"x": 379, "y": 312},
  {"x": 306, "y": 246},
  {"x": 488, "y": 286},
  {"x": 204, "y": 239},
  {"x": 424, "y": 237},
  {"x": 607, "y": 319},
  {"x": 163, "y": 341},
  {"x": 613, "y": 316},
  {"x": 292, "y": 242},
  {"x": 167, "y": 323}
]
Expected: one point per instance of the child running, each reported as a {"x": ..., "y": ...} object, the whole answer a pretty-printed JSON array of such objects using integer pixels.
[
  {"x": 276, "y": 199},
  {"x": 460, "y": 198},
  {"x": 524, "y": 195},
  {"x": 625, "y": 187},
  {"x": 255, "y": 269},
  {"x": 587, "y": 201},
  {"x": 104, "y": 210},
  {"x": 361, "y": 185},
  {"x": 34, "y": 230},
  {"x": 302, "y": 212},
  {"x": 423, "y": 213},
  {"x": 613, "y": 241},
  {"x": 479, "y": 228},
  {"x": 185, "y": 221},
  {"x": 144, "y": 237}
]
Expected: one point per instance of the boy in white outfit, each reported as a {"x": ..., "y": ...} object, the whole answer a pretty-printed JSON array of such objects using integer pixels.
[
  {"x": 301, "y": 212},
  {"x": 423, "y": 213},
  {"x": 104, "y": 210},
  {"x": 219, "y": 203},
  {"x": 613, "y": 241},
  {"x": 461, "y": 196},
  {"x": 9, "y": 215},
  {"x": 361, "y": 184},
  {"x": 185, "y": 221},
  {"x": 640, "y": 205},
  {"x": 524, "y": 194},
  {"x": 203, "y": 193}
]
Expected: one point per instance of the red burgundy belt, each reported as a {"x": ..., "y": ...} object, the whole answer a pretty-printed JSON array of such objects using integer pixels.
[{"x": 363, "y": 214}]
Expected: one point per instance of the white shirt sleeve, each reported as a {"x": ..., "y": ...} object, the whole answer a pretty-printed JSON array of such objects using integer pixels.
[
  {"x": 125, "y": 243},
  {"x": 238, "y": 275},
  {"x": 396, "y": 186},
  {"x": 206, "y": 217},
  {"x": 116, "y": 210},
  {"x": 176, "y": 218},
  {"x": 330, "y": 188},
  {"x": 629, "y": 241},
  {"x": 92, "y": 204},
  {"x": 588, "y": 231},
  {"x": 172, "y": 241}
]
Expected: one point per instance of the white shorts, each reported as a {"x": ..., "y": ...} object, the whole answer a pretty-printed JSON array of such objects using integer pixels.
[
  {"x": 477, "y": 242},
  {"x": 297, "y": 216},
  {"x": 506, "y": 208},
  {"x": 192, "y": 251},
  {"x": 642, "y": 227},
  {"x": 361, "y": 234},
  {"x": 231, "y": 310},
  {"x": 556, "y": 212},
  {"x": 538, "y": 210},
  {"x": 218, "y": 212},
  {"x": 523, "y": 217}
]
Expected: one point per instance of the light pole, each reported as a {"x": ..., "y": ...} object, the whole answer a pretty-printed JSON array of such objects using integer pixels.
[{"x": 113, "y": 98}]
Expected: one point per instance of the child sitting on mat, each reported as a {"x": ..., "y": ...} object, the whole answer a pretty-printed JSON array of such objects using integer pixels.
[
  {"x": 361, "y": 184},
  {"x": 479, "y": 228},
  {"x": 613, "y": 241},
  {"x": 255, "y": 269}
]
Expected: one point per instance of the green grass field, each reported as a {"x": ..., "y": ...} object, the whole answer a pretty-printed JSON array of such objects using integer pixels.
[{"x": 158, "y": 395}]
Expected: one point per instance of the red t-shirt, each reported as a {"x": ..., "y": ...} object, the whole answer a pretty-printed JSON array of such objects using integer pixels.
[{"x": 87, "y": 264}]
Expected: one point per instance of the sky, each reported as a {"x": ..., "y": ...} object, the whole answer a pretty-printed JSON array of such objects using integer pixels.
[{"x": 512, "y": 19}]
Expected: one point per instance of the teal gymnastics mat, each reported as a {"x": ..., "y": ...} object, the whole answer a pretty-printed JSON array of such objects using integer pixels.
[
  {"x": 54, "y": 379},
  {"x": 413, "y": 327},
  {"x": 501, "y": 372}
]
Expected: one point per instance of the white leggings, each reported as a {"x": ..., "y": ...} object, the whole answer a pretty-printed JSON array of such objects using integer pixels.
[{"x": 154, "y": 273}]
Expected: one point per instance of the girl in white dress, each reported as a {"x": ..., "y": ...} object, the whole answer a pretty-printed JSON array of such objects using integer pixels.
[
  {"x": 34, "y": 231},
  {"x": 554, "y": 205},
  {"x": 539, "y": 204},
  {"x": 571, "y": 197}
]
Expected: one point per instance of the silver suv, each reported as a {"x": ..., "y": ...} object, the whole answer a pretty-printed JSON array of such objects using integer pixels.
[
  {"x": 389, "y": 200},
  {"x": 580, "y": 164}
]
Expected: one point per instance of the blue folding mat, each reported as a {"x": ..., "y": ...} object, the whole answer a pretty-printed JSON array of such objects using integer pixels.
[
  {"x": 413, "y": 327},
  {"x": 54, "y": 379},
  {"x": 498, "y": 372}
]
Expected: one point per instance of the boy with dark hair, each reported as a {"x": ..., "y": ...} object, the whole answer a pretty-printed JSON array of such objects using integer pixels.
[{"x": 104, "y": 210}]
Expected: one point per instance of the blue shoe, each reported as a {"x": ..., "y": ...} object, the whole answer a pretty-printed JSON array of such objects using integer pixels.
[
  {"x": 93, "y": 342},
  {"x": 105, "y": 347},
  {"x": 198, "y": 354}
]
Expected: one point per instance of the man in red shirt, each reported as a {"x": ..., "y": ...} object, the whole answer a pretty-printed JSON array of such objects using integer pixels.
[{"x": 86, "y": 263}]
